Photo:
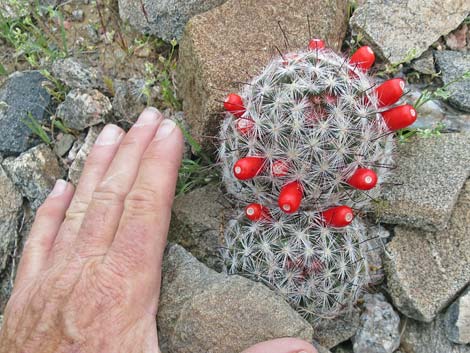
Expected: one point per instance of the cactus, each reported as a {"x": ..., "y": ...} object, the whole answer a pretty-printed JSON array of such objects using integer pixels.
[{"x": 307, "y": 144}]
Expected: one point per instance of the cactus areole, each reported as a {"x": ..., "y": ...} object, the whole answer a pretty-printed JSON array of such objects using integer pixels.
[{"x": 306, "y": 142}]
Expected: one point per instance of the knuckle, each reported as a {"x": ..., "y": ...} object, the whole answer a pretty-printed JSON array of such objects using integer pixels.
[
  {"x": 108, "y": 194},
  {"x": 142, "y": 200},
  {"x": 77, "y": 209}
]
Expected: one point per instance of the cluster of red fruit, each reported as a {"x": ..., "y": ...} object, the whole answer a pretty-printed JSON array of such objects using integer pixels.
[{"x": 291, "y": 194}]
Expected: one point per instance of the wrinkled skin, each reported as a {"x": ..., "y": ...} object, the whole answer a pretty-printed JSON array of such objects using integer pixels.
[{"x": 90, "y": 274}]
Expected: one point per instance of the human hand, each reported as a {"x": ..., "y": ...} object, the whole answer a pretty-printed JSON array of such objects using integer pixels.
[{"x": 89, "y": 278}]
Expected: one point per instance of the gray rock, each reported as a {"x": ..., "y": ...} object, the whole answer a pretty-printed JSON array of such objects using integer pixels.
[
  {"x": 34, "y": 173},
  {"x": 76, "y": 74},
  {"x": 197, "y": 223},
  {"x": 386, "y": 24},
  {"x": 10, "y": 209},
  {"x": 425, "y": 186},
  {"x": 165, "y": 19},
  {"x": 21, "y": 97},
  {"x": 80, "y": 152},
  {"x": 331, "y": 332},
  {"x": 420, "y": 337},
  {"x": 63, "y": 144},
  {"x": 425, "y": 63},
  {"x": 378, "y": 236},
  {"x": 203, "y": 311},
  {"x": 232, "y": 42},
  {"x": 84, "y": 108},
  {"x": 457, "y": 319},
  {"x": 453, "y": 65},
  {"x": 320, "y": 348},
  {"x": 426, "y": 271},
  {"x": 430, "y": 114},
  {"x": 379, "y": 329},
  {"x": 128, "y": 99}
]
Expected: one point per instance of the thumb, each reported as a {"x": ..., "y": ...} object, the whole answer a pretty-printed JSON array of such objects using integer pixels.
[{"x": 282, "y": 345}]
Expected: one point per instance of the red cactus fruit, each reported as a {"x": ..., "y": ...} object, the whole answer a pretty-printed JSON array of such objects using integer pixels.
[
  {"x": 248, "y": 167},
  {"x": 256, "y": 212},
  {"x": 363, "y": 179},
  {"x": 390, "y": 92},
  {"x": 245, "y": 125},
  {"x": 234, "y": 104},
  {"x": 315, "y": 44},
  {"x": 339, "y": 216},
  {"x": 363, "y": 58},
  {"x": 400, "y": 117},
  {"x": 290, "y": 197}
]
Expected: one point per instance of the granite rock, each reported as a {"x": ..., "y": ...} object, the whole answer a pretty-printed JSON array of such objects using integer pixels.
[
  {"x": 165, "y": 19},
  {"x": 425, "y": 63},
  {"x": 22, "y": 97},
  {"x": 34, "y": 173},
  {"x": 457, "y": 40},
  {"x": 457, "y": 319},
  {"x": 197, "y": 223},
  {"x": 379, "y": 328},
  {"x": 331, "y": 332},
  {"x": 203, "y": 311},
  {"x": 397, "y": 28},
  {"x": 426, "y": 271},
  {"x": 421, "y": 337},
  {"x": 232, "y": 42},
  {"x": 75, "y": 73},
  {"x": 80, "y": 152},
  {"x": 425, "y": 186},
  {"x": 453, "y": 65},
  {"x": 63, "y": 144},
  {"x": 10, "y": 209},
  {"x": 83, "y": 108}
]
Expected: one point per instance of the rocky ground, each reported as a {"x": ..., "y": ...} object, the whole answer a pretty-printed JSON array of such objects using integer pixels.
[{"x": 96, "y": 62}]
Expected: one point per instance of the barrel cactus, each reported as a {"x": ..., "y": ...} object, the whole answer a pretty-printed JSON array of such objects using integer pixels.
[{"x": 304, "y": 148}]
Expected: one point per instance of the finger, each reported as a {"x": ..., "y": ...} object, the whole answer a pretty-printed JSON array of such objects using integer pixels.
[
  {"x": 49, "y": 217},
  {"x": 141, "y": 238},
  {"x": 282, "y": 345},
  {"x": 104, "y": 212},
  {"x": 96, "y": 165}
]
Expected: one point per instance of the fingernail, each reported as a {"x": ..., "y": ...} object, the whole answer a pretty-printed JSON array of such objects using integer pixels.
[
  {"x": 166, "y": 128},
  {"x": 110, "y": 135},
  {"x": 149, "y": 116},
  {"x": 59, "y": 188}
]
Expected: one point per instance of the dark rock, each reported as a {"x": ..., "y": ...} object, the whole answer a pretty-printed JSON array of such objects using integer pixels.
[
  {"x": 453, "y": 65},
  {"x": 22, "y": 97},
  {"x": 164, "y": 19}
]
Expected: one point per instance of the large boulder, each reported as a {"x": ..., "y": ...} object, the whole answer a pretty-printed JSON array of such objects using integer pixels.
[
  {"x": 231, "y": 43},
  {"x": 203, "y": 311},
  {"x": 395, "y": 29},
  {"x": 429, "y": 176},
  {"x": 426, "y": 271}
]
